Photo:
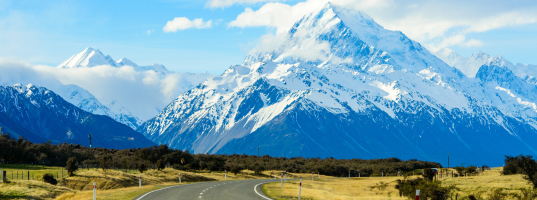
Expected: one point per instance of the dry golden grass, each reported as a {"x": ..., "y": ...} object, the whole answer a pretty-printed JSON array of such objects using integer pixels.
[
  {"x": 368, "y": 188},
  {"x": 485, "y": 182},
  {"x": 18, "y": 189},
  {"x": 336, "y": 188}
]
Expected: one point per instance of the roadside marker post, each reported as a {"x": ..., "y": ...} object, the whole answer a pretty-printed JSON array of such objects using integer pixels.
[
  {"x": 94, "y": 191},
  {"x": 417, "y": 194},
  {"x": 281, "y": 180},
  {"x": 140, "y": 181},
  {"x": 179, "y": 178},
  {"x": 299, "y": 188},
  {"x": 225, "y": 175},
  {"x": 359, "y": 174}
]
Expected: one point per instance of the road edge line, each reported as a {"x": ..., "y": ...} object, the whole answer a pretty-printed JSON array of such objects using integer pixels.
[
  {"x": 255, "y": 189},
  {"x": 145, "y": 194}
]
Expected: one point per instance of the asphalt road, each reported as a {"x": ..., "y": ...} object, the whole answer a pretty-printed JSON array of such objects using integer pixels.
[{"x": 223, "y": 190}]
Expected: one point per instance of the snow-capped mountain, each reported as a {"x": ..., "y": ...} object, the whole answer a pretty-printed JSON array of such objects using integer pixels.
[
  {"x": 131, "y": 92},
  {"x": 87, "y": 102},
  {"x": 470, "y": 66},
  {"x": 40, "y": 115},
  {"x": 93, "y": 57},
  {"x": 340, "y": 85}
]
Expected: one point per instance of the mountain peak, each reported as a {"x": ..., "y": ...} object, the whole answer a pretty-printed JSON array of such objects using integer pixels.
[
  {"x": 126, "y": 62},
  {"x": 88, "y": 58}
]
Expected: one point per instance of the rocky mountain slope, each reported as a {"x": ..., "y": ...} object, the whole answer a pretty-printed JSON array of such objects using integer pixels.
[
  {"x": 340, "y": 85},
  {"x": 39, "y": 115}
]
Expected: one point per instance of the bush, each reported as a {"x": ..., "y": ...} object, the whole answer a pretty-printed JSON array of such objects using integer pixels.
[
  {"x": 258, "y": 168},
  {"x": 428, "y": 174},
  {"x": 49, "y": 178},
  {"x": 525, "y": 165},
  {"x": 142, "y": 168},
  {"x": 235, "y": 169},
  {"x": 72, "y": 166},
  {"x": 428, "y": 189},
  {"x": 104, "y": 161},
  {"x": 160, "y": 165}
]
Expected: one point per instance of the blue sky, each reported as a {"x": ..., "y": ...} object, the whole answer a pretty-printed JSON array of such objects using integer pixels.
[{"x": 49, "y": 32}]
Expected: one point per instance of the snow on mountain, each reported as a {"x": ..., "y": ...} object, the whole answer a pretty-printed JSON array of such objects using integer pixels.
[
  {"x": 40, "y": 115},
  {"x": 93, "y": 57},
  {"x": 157, "y": 86},
  {"x": 341, "y": 85},
  {"x": 88, "y": 58},
  {"x": 470, "y": 66}
]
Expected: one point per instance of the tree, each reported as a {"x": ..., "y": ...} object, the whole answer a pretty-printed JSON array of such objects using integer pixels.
[
  {"x": 104, "y": 161},
  {"x": 142, "y": 168},
  {"x": 160, "y": 164},
  {"x": 428, "y": 174},
  {"x": 72, "y": 165},
  {"x": 235, "y": 168},
  {"x": 258, "y": 168}
]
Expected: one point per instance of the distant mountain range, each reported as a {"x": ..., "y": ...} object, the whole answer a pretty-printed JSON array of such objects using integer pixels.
[
  {"x": 340, "y": 85},
  {"x": 470, "y": 66},
  {"x": 40, "y": 115}
]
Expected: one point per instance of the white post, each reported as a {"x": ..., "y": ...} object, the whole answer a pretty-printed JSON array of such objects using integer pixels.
[
  {"x": 382, "y": 173},
  {"x": 140, "y": 180},
  {"x": 285, "y": 178},
  {"x": 311, "y": 176},
  {"x": 94, "y": 191},
  {"x": 225, "y": 174},
  {"x": 299, "y": 188},
  {"x": 417, "y": 194},
  {"x": 281, "y": 180},
  {"x": 179, "y": 178},
  {"x": 359, "y": 174}
]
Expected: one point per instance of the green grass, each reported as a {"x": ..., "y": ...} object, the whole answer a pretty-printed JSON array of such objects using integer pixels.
[{"x": 36, "y": 171}]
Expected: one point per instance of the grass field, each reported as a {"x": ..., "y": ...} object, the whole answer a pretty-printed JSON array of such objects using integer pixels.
[
  {"x": 111, "y": 184},
  {"x": 20, "y": 172},
  {"x": 114, "y": 184},
  {"x": 384, "y": 187}
]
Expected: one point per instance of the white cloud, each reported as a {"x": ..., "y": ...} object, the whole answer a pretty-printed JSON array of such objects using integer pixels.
[
  {"x": 182, "y": 23},
  {"x": 144, "y": 94},
  {"x": 433, "y": 23},
  {"x": 227, "y": 3},
  {"x": 148, "y": 32}
]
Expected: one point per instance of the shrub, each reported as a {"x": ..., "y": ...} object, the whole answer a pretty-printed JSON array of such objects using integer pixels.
[
  {"x": 525, "y": 165},
  {"x": 428, "y": 174},
  {"x": 428, "y": 189},
  {"x": 142, "y": 167},
  {"x": 104, "y": 161},
  {"x": 258, "y": 168},
  {"x": 160, "y": 165},
  {"x": 49, "y": 178},
  {"x": 235, "y": 169},
  {"x": 71, "y": 166}
]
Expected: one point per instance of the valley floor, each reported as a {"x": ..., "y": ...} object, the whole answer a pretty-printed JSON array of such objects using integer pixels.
[{"x": 483, "y": 186}]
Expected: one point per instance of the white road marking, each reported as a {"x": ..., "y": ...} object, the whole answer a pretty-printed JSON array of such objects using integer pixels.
[
  {"x": 163, "y": 189},
  {"x": 255, "y": 189}
]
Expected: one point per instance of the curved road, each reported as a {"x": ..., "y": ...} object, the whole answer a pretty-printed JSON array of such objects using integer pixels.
[{"x": 232, "y": 190}]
